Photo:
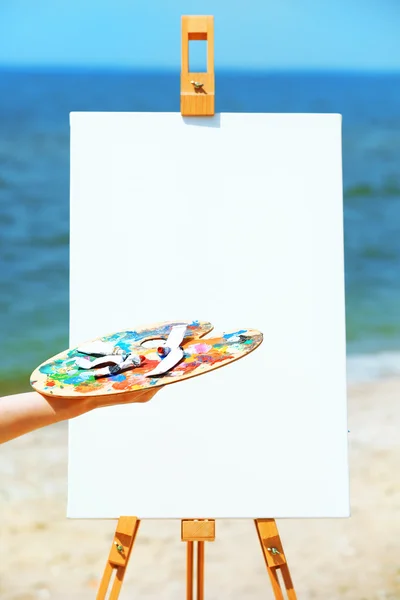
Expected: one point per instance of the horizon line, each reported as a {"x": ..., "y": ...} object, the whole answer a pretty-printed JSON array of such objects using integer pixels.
[{"x": 103, "y": 69}]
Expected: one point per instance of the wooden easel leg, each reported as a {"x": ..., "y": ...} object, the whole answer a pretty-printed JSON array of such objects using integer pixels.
[
  {"x": 200, "y": 570},
  {"x": 124, "y": 538},
  {"x": 189, "y": 571},
  {"x": 105, "y": 582},
  {"x": 287, "y": 580},
  {"x": 274, "y": 557},
  {"x": 199, "y": 531},
  {"x": 276, "y": 586}
]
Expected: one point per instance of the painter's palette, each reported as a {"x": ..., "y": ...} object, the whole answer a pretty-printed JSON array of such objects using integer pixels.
[{"x": 60, "y": 376}]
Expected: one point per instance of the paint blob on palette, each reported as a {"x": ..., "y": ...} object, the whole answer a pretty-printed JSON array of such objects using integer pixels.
[{"x": 62, "y": 376}]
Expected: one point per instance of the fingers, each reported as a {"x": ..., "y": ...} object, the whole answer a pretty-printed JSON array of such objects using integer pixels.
[
  {"x": 129, "y": 398},
  {"x": 144, "y": 396}
]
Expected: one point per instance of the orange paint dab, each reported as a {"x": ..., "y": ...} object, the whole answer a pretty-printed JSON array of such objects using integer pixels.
[
  {"x": 87, "y": 387},
  {"x": 122, "y": 385}
]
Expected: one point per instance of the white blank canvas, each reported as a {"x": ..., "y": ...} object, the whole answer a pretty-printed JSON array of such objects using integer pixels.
[{"x": 238, "y": 220}]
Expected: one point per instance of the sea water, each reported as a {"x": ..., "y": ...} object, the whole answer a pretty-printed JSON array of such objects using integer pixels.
[{"x": 34, "y": 196}]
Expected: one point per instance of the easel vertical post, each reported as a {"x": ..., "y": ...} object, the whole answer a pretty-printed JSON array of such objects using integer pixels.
[
  {"x": 199, "y": 531},
  {"x": 189, "y": 571},
  {"x": 200, "y": 570}
]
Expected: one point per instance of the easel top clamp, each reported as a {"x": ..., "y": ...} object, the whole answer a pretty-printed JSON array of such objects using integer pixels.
[{"x": 197, "y": 89}]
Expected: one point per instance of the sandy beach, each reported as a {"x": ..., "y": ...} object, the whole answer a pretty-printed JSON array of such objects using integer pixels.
[{"x": 45, "y": 556}]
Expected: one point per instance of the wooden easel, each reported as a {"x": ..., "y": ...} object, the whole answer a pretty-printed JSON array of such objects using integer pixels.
[
  {"x": 195, "y": 531},
  {"x": 197, "y": 99}
]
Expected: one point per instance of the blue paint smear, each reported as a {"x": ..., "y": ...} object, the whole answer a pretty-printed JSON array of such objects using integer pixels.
[
  {"x": 126, "y": 346},
  {"x": 77, "y": 379},
  {"x": 227, "y": 336},
  {"x": 47, "y": 369},
  {"x": 52, "y": 367},
  {"x": 119, "y": 377},
  {"x": 132, "y": 336}
]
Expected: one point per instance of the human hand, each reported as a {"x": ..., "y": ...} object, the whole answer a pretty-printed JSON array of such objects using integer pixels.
[
  {"x": 25, "y": 412},
  {"x": 126, "y": 398}
]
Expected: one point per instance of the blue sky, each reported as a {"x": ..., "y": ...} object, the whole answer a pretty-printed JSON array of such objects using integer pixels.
[{"x": 250, "y": 34}]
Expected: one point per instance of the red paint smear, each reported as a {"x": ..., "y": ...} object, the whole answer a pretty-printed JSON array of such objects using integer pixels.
[{"x": 146, "y": 366}]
